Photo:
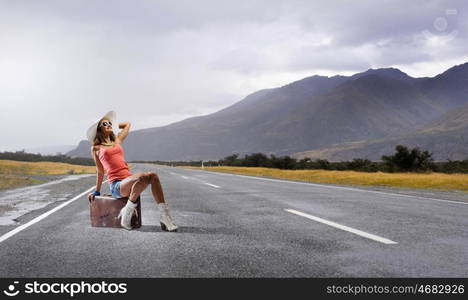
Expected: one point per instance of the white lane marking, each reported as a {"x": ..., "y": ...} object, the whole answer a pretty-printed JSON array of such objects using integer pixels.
[
  {"x": 43, "y": 216},
  {"x": 212, "y": 185},
  {"x": 340, "y": 188},
  {"x": 343, "y": 227}
]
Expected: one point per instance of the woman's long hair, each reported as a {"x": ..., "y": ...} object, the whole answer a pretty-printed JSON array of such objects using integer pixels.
[{"x": 99, "y": 139}]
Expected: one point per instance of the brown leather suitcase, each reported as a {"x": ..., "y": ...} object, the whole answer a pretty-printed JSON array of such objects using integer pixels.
[{"x": 105, "y": 209}]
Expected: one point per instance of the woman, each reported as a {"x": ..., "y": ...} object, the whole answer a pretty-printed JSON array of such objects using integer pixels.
[{"x": 108, "y": 155}]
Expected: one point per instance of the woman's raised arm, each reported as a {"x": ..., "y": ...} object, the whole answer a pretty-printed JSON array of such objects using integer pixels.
[{"x": 125, "y": 126}]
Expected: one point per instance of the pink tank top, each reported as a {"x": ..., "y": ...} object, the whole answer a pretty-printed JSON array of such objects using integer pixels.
[{"x": 112, "y": 159}]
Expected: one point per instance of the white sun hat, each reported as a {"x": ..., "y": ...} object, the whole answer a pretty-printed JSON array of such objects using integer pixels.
[{"x": 92, "y": 130}]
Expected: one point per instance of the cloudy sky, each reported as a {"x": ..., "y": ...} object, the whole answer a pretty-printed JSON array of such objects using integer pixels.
[{"x": 64, "y": 63}]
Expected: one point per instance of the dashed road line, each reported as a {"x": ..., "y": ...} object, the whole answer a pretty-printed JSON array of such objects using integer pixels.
[
  {"x": 196, "y": 179},
  {"x": 343, "y": 227},
  {"x": 215, "y": 186}
]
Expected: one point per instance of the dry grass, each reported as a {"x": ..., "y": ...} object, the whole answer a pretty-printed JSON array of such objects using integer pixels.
[
  {"x": 14, "y": 174},
  {"x": 12, "y": 167},
  {"x": 437, "y": 181},
  {"x": 14, "y": 181}
]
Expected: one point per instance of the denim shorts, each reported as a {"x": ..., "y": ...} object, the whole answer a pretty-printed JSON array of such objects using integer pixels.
[{"x": 115, "y": 188}]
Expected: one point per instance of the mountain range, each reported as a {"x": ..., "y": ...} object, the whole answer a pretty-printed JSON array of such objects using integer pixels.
[{"x": 337, "y": 118}]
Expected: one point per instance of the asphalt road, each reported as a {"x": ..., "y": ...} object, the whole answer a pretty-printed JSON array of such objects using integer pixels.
[{"x": 241, "y": 226}]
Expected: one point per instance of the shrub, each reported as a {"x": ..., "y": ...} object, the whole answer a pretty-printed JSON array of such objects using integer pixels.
[{"x": 409, "y": 160}]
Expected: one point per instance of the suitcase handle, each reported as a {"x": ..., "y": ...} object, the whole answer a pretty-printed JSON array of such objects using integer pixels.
[{"x": 90, "y": 199}]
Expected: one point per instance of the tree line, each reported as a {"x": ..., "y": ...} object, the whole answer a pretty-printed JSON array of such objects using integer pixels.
[
  {"x": 403, "y": 160},
  {"x": 24, "y": 156}
]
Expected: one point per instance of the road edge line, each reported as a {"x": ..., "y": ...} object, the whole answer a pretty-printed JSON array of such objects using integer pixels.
[
  {"x": 335, "y": 187},
  {"x": 20, "y": 228}
]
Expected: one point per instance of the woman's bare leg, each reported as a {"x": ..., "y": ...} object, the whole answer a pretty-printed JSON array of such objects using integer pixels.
[
  {"x": 138, "y": 187},
  {"x": 134, "y": 185},
  {"x": 156, "y": 188}
]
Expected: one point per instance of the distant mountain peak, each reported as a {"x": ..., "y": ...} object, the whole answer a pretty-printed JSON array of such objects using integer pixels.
[
  {"x": 315, "y": 112},
  {"x": 458, "y": 70},
  {"x": 460, "y": 66},
  {"x": 392, "y": 73}
]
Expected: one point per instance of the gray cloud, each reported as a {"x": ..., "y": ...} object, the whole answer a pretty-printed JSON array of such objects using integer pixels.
[{"x": 63, "y": 63}]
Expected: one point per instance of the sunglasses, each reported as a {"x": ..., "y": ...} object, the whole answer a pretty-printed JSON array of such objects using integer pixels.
[{"x": 106, "y": 124}]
